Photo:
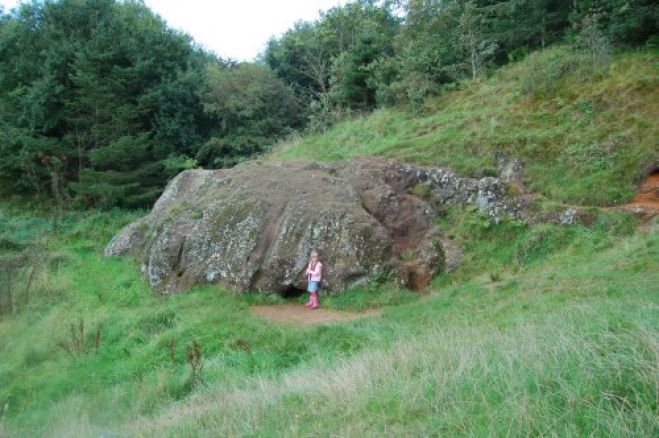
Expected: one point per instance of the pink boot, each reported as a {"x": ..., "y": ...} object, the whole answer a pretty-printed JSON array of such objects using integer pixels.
[
  {"x": 310, "y": 303},
  {"x": 314, "y": 301}
]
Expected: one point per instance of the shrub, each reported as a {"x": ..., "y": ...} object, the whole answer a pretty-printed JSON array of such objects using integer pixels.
[{"x": 544, "y": 71}]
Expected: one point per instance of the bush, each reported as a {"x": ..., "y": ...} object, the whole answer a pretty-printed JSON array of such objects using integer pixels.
[
  {"x": 544, "y": 70},
  {"x": 593, "y": 40}
]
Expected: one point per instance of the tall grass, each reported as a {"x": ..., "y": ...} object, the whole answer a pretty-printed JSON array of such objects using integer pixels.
[
  {"x": 562, "y": 341},
  {"x": 129, "y": 356},
  {"x": 569, "y": 373},
  {"x": 566, "y": 349}
]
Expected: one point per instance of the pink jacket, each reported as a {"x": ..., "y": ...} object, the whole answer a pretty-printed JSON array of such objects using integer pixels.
[{"x": 316, "y": 273}]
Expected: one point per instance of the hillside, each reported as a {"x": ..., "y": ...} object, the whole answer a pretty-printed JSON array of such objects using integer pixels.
[
  {"x": 585, "y": 136},
  {"x": 544, "y": 329}
]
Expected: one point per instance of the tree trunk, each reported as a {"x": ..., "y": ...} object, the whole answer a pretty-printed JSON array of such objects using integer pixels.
[
  {"x": 10, "y": 297},
  {"x": 6, "y": 299},
  {"x": 30, "y": 279},
  {"x": 542, "y": 32}
]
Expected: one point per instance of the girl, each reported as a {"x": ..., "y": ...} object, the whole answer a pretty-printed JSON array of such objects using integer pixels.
[{"x": 314, "y": 276}]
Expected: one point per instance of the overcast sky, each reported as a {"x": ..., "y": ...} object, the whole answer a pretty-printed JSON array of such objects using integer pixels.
[{"x": 235, "y": 29}]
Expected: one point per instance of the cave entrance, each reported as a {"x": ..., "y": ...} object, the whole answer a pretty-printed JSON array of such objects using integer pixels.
[{"x": 293, "y": 292}]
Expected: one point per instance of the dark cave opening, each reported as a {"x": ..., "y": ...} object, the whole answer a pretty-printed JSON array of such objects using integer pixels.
[{"x": 292, "y": 292}]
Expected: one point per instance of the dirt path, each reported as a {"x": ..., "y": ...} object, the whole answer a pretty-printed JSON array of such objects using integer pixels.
[{"x": 298, "y": 314}]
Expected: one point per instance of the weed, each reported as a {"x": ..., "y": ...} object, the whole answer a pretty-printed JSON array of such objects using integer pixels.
[
  {"x": 75, "y": 343},
  {"x": 421, "y": 190},
  {"x": 171, "y": 350},
  {"x": 495, "y": 276},
  {"x": 158, "y": 322},
  {"x": 194, "y": 362}
]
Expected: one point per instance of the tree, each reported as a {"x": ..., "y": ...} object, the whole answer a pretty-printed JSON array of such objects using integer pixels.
[
  {"x": 327, "y": 62},
  {"x": 476, "y": 48},
  {"x": 353, "y": 84},
  {"x": 630, "y": 22},
  {"x": 592, "y": 39},
  {"x": 251, "y": 108},
  {"x": 526, "y": 23},
  {"x": 302, "y": 58},
  {"x": 102, "y": 87}
]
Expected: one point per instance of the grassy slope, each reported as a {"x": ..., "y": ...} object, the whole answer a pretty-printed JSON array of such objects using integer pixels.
[
  {"x": 584, "y": 137},
  {"x": 545, "y": 329},
  {"x": 556, "y": 350},
  {"x": 565, "y": 338}
]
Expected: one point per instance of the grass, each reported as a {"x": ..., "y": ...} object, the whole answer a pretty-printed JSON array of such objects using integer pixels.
[
  {"x": 584, "y": 137},
  {"x": 47, "y": 368},
  {"x": 543, "y": 330},
  {"x": 551, "y": 345},
  {"x": 564, "y": 347},
  {"x": 535, "y": 378}
]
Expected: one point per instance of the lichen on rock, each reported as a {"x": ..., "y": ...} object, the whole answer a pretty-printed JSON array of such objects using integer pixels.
[{"x": 252, "y": 227}]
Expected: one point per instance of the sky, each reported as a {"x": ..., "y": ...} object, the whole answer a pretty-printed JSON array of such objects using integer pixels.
[{"x": 236, "y": 29}]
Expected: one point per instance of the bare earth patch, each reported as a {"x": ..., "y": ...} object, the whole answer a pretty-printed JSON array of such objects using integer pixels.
[
  {"x": 298, "y": 314},
  {"x": 645, "y": 204}
]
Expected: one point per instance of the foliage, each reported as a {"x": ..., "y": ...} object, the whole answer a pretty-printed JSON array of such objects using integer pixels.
[
  {"x": 444, "y": 40},
  {"x": 102, "y": 87},
  {"x": 544, "y": 328},
  {"x": 439, "y": 38},
  {"x": 624, "y": 21},
  {"x": 101, "y": 103},
  {"x": 476, "y": 49},
  {"x": 329, "y": 62},
  {"x": 250, "y": 108},
  {"x": 545, "y": 72},
  {"x": 106, "y": 100},
  {"x": 527, "y": 24},
  {"x": 593, "y": 40}
]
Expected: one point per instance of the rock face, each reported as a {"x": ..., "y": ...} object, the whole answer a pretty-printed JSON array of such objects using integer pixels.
[{"x": 252, "y": 227}]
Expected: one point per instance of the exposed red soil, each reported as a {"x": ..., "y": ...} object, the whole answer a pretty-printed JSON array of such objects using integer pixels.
[
  {"x": 645, "y": 204},
  {"x": 648, "y": 193},
  {"x": 298, "y": 314}
]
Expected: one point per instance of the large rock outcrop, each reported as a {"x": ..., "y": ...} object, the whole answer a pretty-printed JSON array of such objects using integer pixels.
[{"x": 252, "y": 227}]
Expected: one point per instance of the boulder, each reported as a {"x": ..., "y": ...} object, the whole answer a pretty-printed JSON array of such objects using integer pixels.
[{"x": 252, "y": 227}]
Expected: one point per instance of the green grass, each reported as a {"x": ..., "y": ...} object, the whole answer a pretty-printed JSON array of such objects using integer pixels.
[
  {"x": 584, "y": 137},
  {"x": 543, "y": 330},
  {"x": 140, "y": 363},
  {"x": 552, "y": 344},
  {"x": 566, "y": 348}
]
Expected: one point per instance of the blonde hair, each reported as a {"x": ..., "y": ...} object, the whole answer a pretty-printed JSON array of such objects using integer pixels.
[{"x": 314, "y": 254}]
